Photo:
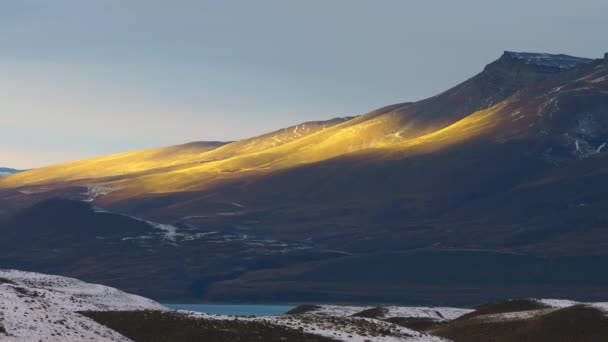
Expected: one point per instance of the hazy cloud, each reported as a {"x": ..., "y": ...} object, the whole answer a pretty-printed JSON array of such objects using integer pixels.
[{"x": 141, "y": 73}]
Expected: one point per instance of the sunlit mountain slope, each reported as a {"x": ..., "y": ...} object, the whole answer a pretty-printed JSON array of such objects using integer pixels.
[
  {"x": 117, "y": 164},
  {"x": 432, "y": 120},
  {"x": 524, "y": 114},
  {"x": 96, "y": 171}
]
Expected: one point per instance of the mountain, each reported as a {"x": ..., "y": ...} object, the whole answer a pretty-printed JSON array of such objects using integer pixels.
[
  {"x": 58, "y": 178},
  {"x": 5, "y": 171},
  {"x": 293, "y": 147},
  {"x": 489, "y": 190},
  {"x": 91, "y": 178}
]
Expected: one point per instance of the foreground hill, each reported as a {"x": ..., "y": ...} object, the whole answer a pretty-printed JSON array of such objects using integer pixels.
[
  {"x": 493, "y": 189},
  {"x": 40, "y": 307},
  {"x": 511, "y": 320}
]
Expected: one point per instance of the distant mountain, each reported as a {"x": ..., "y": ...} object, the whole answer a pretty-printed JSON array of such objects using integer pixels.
[
  {"x": 492, "y": 189},
  {"x": 5, "y": 171}
]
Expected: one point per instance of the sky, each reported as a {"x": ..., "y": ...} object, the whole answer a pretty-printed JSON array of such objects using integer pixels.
[{"x": 86, "y": 78}]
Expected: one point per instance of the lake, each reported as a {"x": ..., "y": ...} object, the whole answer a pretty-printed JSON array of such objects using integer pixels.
[{"x": 234, "y": 309}]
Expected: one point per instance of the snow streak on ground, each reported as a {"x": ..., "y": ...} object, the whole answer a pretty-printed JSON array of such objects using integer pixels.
[
  {"x": 349, "y": 329},
  {"x": 512, "y": 316},
  {"x": 557, "y": 303},
  {"x": 36, "y": 307},
  {"x": 95, "y": 191},
  {"x": 337, "y": 310},
  {"x": 435, "y": 313},
  {"x": 438, "y": 314},
  {"x": 564, "y": 303},
  {"x": 169, "y": 231},
  {"x": 601, "y": 306}
]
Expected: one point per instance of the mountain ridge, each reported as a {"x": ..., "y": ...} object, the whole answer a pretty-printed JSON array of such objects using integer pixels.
[
  {"x": 384, "y": 127},
  {"x": 5, "y": 171},
  {"x": 502, "y": 174}
]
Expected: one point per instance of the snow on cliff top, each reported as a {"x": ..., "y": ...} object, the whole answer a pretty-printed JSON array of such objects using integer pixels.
[
  {"x": 547, "y": 59},
  {"x": 38, "y": 307},
  {"x": 565, "y": 303}
]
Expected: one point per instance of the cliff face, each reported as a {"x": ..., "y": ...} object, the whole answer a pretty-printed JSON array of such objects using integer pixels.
[
  {"x": 521, "y": 69},
  {"x": 500, "y": 79}
]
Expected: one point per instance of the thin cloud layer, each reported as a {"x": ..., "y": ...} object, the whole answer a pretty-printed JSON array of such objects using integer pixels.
[{"x": 134, "y": 74}]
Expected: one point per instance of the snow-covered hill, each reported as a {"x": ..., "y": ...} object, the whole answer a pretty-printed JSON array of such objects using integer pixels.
[
  {"x": 433, "y": 313},
  {"x": 340, "y": 328},
  {"x": 38, "y": 307},
  {"x": 565, "y": 303}
]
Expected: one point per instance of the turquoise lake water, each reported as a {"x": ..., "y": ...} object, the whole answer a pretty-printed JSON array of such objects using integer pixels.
[{"x": 230, "y": 309}]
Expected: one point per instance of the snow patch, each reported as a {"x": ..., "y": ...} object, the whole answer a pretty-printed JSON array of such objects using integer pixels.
[
  {"x": 238, "y": 205},
  {"x": 565, "y": 303},
  {"x": 170, "y": 231},
  {"x": 600, "y": 306},
  {"x": 95, "y": 191},
  {"x": 578, "y": 146},
  {"x": 435, "y": 313},
  {"x": 548, "y": 60},
  {"x": 557, "y": 303},
  {"x": 511, "y": 316},
  {"x": 38, "y": 307},
  {"x": 350, "y": 329}
]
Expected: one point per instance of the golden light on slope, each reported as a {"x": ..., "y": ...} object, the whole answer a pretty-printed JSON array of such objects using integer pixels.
[
  {"x": 474, "y": 125},
  {"x": 195, "y": 168},
  {"x": 304, "y": 151},
  {"x": 120, "y": 164}
]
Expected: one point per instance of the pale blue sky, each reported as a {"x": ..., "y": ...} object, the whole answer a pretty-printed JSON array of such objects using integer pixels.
[{"x": 89, "y": 77}]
